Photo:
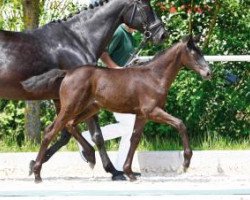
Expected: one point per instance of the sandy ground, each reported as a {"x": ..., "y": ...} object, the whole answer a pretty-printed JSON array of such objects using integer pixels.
[{"x": 212, "y": 175}]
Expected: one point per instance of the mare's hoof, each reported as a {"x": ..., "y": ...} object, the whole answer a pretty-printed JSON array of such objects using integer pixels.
[
  {"x": 119, "y": 176},
  {"x": 137, "y": 174},
  {"x": 31, "y": 167}
]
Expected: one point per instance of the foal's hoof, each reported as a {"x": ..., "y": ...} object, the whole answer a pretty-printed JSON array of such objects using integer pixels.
[
  {"x": 119, "y": 176},
  {"x": 185, "y": 169},
  {"x": 31, "y": 167},
  {"x": 91, "y": 165},
  {"x": 132, "y": 177},
  {"x": 38, "y": 180},
  {"x": 186, "y": 165},
  {"x": 83, "y": 156},
  {"x": 89, "y": 159}
]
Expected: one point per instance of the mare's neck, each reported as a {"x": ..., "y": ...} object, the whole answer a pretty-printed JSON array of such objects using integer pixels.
[
  {"x": 167, "y": 65},
  {"x": 96, "y": 28}
]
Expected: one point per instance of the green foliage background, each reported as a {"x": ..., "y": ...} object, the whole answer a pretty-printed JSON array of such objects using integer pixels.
[{"x": 212, "y": 110}]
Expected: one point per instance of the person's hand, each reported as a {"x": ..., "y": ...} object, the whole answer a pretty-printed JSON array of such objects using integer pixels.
[{"x": 117, "y": 67}]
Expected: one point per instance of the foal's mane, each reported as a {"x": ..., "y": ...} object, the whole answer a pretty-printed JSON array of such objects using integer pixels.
[{"x": 157, "y": 55}]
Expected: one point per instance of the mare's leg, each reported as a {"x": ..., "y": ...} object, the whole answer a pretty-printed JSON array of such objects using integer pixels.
[
  {"x": 134, "y": 141},
  {"x": 63, "y": 140},
  {"x": 160, "y": 116},
  {"x": 97, "y": 138}
]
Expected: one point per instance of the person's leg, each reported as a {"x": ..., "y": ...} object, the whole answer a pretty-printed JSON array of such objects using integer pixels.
[
  {"x": 123, "y": 129},
  {"x": 126, "y": 122}
]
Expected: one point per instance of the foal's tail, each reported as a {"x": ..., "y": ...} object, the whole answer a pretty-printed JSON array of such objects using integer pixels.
[{"x": 44, "y": 82}]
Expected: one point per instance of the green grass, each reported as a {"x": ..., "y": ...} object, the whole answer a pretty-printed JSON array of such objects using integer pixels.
[
  {"x": 158, "y": 144},
  {"x": 13, "y": 147},
  {"x": 224, "y": 144}
]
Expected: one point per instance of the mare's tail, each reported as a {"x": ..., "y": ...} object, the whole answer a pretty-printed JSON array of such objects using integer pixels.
[{"x": 44, "y": 82}]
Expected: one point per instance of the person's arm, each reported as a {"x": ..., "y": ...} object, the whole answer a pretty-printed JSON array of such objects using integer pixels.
[
  {"x": 107, "y": 60},
  {"x": 114, "y": 44}
]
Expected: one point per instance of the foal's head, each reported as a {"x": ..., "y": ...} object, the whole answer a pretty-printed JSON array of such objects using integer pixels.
[
  {"x": 193, "y": 59},
  {"x": 140, "y": 15}
]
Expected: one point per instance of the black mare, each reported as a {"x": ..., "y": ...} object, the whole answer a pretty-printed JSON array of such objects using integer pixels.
[{"x": 68, "y": 44}]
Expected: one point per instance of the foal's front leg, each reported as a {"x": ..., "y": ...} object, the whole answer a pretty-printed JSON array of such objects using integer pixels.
[
  {"x": 160, "y": 116},
  {"x": 88, "y": 149},
  {"x": 134, "y": 141}
]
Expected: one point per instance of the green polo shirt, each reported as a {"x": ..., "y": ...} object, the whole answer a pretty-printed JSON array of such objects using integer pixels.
[{"x": 122, "y": 46}]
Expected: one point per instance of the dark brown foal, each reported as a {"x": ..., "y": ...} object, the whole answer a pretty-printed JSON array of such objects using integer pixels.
[{"x": 140, "y": 90}]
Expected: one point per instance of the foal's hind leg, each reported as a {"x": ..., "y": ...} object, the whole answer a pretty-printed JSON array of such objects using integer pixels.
[
  {"x": 160, "y": 116},
  {"x": 64, "y": 139},
  {"x": 50, "y": 133}
]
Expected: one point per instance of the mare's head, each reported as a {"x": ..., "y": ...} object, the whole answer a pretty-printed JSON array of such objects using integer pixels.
[
  {"x": 193, "y": 58},
  {"x": 140, "y": 15}
]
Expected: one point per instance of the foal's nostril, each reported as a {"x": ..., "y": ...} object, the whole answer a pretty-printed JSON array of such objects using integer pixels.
[{"x": 209, "y": 73}]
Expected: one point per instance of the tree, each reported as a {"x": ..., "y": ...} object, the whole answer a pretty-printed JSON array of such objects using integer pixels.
[{"x": 32, "y": 112}]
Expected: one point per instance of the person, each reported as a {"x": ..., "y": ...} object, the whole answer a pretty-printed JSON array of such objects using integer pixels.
[{"x": 116, "y": 56}]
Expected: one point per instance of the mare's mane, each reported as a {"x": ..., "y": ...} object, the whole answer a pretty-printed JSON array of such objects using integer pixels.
[{"x": 86, "y": 12}]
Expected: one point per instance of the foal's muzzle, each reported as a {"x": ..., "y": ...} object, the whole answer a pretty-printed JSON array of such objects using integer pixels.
[{"x": 206, "y": 74}]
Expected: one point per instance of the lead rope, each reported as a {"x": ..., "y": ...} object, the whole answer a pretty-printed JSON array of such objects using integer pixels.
[{"x": 136, "y": 51}]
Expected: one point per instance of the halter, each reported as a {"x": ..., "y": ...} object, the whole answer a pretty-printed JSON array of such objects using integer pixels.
[{"x": 137, "y": 6}]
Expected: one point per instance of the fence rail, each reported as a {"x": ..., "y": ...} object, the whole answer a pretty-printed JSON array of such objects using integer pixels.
[{"x": 217, "y": 58}]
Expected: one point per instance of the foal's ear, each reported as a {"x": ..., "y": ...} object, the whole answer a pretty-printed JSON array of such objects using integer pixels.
[
  {"x": 197, "y": 38},
  {"x": 190, "y": 42},
  {"x": 186, "y": 38}
]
